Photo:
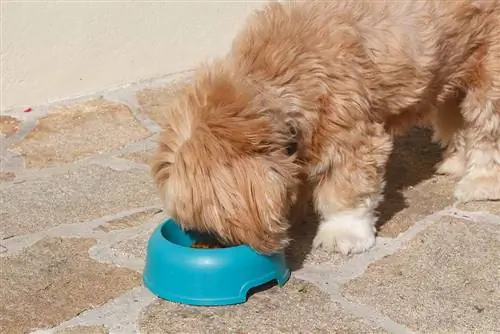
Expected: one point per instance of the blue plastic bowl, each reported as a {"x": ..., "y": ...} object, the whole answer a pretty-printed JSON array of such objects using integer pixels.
[{"x": 222, "y": 276}]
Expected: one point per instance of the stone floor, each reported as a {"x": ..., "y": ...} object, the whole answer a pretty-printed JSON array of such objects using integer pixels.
[{"x": 77, "y": 207}]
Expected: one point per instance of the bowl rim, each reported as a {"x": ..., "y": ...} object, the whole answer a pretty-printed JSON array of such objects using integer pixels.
[{"x": 170, "y": 222}]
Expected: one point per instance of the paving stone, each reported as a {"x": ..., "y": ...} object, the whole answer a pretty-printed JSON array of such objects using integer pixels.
[
  {"x": 7, "y": 176},
  {"x": 300, "y": 253},
  {"x": 134, "y": 247},
  {"x": 74, "y": 132},
  {"x": 142, "y": 156},
  {"x": 297, "y": 308},
  {"x": 445, "y": 281},
  {"x": 403, "y": 209},
  {"x": 53, "y": 281},
  {"x": 86, "y": 193},
  {"x": 8, "y": 126},
  {"x": 83, "y": 330},
  {"x": 128, "y": 221},
  {"x": 490, "y": 206},
  {"x": 413, "y": 190},
  {"x": 10, "y": 161},
  {"x": 153, "y": 101}
]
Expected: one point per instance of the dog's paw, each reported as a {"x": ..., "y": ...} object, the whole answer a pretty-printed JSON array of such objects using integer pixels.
[
  {"x": 453, "y": 166},
  {"x": 479, "y": 186},
  {"x": 346, "y": 233}
]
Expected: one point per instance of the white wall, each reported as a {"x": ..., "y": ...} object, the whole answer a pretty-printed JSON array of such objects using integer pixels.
[{"x": 53, "y": 50}]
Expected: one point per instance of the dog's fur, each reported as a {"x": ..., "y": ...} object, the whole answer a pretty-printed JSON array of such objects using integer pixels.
[{"x": 310, "y": 97}]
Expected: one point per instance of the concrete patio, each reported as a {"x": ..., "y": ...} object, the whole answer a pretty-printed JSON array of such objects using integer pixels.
[{"x": 77, "y": 205}]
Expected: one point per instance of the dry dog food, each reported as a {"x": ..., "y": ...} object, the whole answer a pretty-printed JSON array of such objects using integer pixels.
[{"x": 207, "y": 244}]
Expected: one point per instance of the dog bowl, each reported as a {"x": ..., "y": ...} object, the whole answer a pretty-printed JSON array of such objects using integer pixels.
[{"x": 207, "y": 277}]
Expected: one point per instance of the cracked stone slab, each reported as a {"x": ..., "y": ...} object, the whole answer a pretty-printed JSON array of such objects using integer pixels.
[
  {"x": 299, "y": 307},
  {"x": 76, "y": 196},
  {"x": 73, "y": 132},
  {"x": 445, "y": 281},
  {"x": 55, "y": 280}
]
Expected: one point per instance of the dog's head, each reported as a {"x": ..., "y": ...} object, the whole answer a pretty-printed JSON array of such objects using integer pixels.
[{"x": 224, "y": 164}]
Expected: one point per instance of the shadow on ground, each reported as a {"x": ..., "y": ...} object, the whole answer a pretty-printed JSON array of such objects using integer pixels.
[{"x": 412, "y": 162}]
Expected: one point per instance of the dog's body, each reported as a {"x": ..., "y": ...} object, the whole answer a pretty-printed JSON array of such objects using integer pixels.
[{"x": 310, "y": 96}]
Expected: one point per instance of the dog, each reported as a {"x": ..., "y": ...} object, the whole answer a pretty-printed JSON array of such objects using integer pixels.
[{"x": 308, "y": 101}]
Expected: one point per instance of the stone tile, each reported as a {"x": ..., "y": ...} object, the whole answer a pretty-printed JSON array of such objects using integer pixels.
[
  {"x": 135, "y": 247},
  {"x": 297, "y": 308},
  {"x": 445, "y": 281},
  {"x": 403, "y": 209},
  {"x": 8, "y": 126},
  {"x": 141, "y": 157},
  {"x": 128, "y": 221},
  {"x": 84, "y": 194},
  {"x": 10, "y": 161},
  {"x": 74, "y": 132},
  {"x": 300, "y": 253},
  {"x": 492, "y": 207},
  {"x": 413, "y": 191},
  {"x": 153, "y": 101},
  {"x": 7, "y": 176},
  {"x": 53, "y": 281},
  {"x": 83, "y": 330}
]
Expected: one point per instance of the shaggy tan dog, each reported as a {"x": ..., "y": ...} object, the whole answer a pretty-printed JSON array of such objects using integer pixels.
[{"x": 310, "y": 96}]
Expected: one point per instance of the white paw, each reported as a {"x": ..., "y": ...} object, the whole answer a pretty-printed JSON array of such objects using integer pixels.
[
  {"x": 454, "y": 166},
  {"x": 347, "y": 232},
  {"x": 478, "y": 187}
]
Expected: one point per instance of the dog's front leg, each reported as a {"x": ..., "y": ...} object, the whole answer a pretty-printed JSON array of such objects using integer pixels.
[
  {"x": 481, "y": 111},
  {"x": 348, "y": 192}
]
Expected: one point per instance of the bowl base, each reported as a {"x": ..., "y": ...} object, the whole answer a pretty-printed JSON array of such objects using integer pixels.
[{"x": 276, "y": 281}]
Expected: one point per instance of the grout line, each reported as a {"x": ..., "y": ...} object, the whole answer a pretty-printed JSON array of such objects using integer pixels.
[
  {"x": 84, "y": 229},
  {"x": 106, "y": 159},
  {"x": 361, "y": 311},
  {"x": 103, "y": 252},
  {"x": 118, "y": 164},
  {"x": 11, "y": 161},
  {"x": 119, "y": 315},
  {"x": 129, "y": 99},
  {"x": 475, "y": 216},
  {"x": 31, "y": 174},
  {"x": 331, "y": 280},
  {"x": 384, "y": 247},
  {"x": 26, "y": 127},
  {"x": 370, "y": 314}
]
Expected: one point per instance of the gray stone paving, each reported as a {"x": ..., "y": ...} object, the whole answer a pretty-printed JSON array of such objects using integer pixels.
[{"x": 77, "y": 205}]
